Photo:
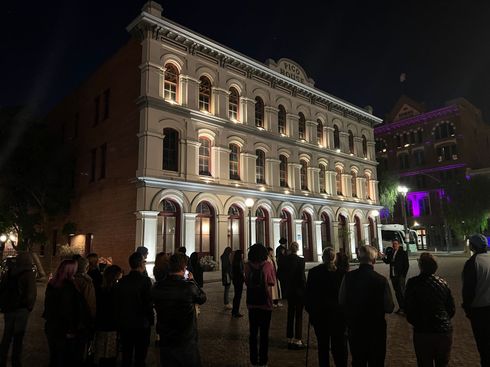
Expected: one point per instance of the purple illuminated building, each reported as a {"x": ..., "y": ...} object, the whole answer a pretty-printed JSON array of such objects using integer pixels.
[{"x": 426, "y": 150}]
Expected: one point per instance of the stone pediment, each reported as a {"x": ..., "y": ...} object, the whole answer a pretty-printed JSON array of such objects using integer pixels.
[{"x": 291, "y": 70}]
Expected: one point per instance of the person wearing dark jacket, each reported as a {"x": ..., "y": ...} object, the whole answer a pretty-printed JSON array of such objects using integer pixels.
[
  {"x": 93, "y": 270},
  {"x": 68, "y": 319},
  {"x": 226, "y": 276},
  {"x": 238, "y": 276},
  {"x": 134, "y": 312},
  {"x": 429, "y": 306},
  {"x": 365, "y": 297},
  {"x": 294, "y": 267},
  {"x": 21, "y": 282},
  {"x": 175, "y": 298},
  {"x": 398, "y": 261},
  {"x": 281, "y": 253},
  {"x": 196, "y": 269},
  {"x": 476, "y": 295},
  {"x": 322, "y": 304}
]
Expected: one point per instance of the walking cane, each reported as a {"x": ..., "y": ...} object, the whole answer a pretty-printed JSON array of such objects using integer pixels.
[{"x": 307, "y": 341}]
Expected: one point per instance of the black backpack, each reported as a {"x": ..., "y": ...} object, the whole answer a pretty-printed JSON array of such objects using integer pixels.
[
  {"x": 256, "y": 287},
  {"x": 10, "y": 295}
]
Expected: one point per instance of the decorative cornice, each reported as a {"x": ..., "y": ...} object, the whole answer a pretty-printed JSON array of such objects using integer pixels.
[
  {"x": 162, "y": 28},
  {"x": 424, "y": 117},
  {"x": 432, "y": 169}
]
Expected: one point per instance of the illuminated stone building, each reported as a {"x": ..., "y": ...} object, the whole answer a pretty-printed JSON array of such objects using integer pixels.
[
  {"x": 428, "y": 149},
  {"x": 194, "y": 129}
]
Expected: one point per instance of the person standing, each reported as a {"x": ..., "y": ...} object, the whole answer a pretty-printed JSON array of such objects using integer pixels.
[
  {"x": 238, "y": 276},
  {"x": 144, "y": 252},
  {"x": 134, "y": 312},
  {"x": 342, "y": 262},
  {"x": 226, "y": 276},
  {"x": 295, "y": 279},
  {"x": 429, "y": 306},
  {"x": 160, "y": 270},
  {"x": 105, "y": 341},
  {"x": 275, "y": 290},
  {"x": 66, "y": 314},
  {"x": 365, "y": 297},
  {"x": 196, "y": 269},
  {"x": 476, "y": 294},
  {"x": 85, "y": 285},
  {"x": 259, "y": 277},
  {"x": 18, "y": 294},
  {"x": 398, "y": 261},
  {"x": 93, "y": 270},
  {"x": 322, "y": 304},
  {"x": 175, "y": 298},
  {"x": 281, "y": 253}
]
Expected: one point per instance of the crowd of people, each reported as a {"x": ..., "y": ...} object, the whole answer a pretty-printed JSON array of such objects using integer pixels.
[{"x": 95, "y": 317}]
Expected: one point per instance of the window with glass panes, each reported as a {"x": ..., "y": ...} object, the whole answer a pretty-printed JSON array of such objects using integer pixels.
[
  {"x": 351, "y": 142},
  {"x": 204, "y": 156},
  {"x": 368, "y": 186},
  {"x": 204, "y": 229},
  {"x": 283, "y": 171},
  {"x": 261, "y": 226},
  {"x": 260, "y": 166},
  {"x": 302, "y": 126},
  {"x": 235, "y": 228},
  {"x": 338, "y": 180},
  {"x": 168, "y": 239},
  {"x": 204, "y": 94},
  {"x": 322, "y": 173},
  {"x": 234, "y": 161},
  {"x": 233, "y": 103},
  {"x": 304, "y": 175},
  {"x": 325, "y": 228},
  {"x": 171, "y": 81},
  {"x": 336, "y": 137},
  {"x": 259, "y": 112},
  {"x": 281, "y": 119},
  {"x": 319, "y": 132},
  {"x": 170, "y": 149},
  {"x": 364, "y": 146},
  {"x": 354, "y": 183}
]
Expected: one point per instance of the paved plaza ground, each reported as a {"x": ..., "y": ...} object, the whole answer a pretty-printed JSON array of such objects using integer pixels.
[{"x": 224, "y": 341}]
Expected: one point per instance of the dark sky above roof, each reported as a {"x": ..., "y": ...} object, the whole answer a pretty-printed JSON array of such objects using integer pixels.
[{"x": 355, "y": 50}]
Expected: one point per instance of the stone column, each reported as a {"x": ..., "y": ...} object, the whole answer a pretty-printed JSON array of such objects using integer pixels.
[
  {"x": 276, "y": 232},
  {"x": 192, "y": 147},
  {"x": 352, "y": 240},
  {"x": 248, "y": 160},
  {"x": 189, "y": 91},
  {"x": 270, "y": 120},
  {"x": 149, "y": 164},
  {"x": 335, "y": 236},
  {"x": 366, "y": 234},
  {"x": 361, "y": 187},
  {"x": 272, "y": 172},
  {"x": 344, "y": 142},
  {"x": 371, "y": 153},
  {"x": 331, "y": 183},
  {"x": 379, "y": 235},
  {"x": 222, "y": 237},
  {"x": 347, "y": 184},
  {"x": 358, "y": 146},
  {"x": 254, "y": 231},
  {"x": 314, "y": 179},
  {"x": 146, "y": 231},
  {"x": 219, "y": 100},
  {"x": 317, "y": 255},
  {"x": 221, "y": 162},
  {"x": 375, "y": 191},
  {"x": 329, "y": 137},
  {"x": 247, "y": 111},
  {"x": 311, "y": 135},
  {"x": 190, "y": 232},
  {"x": 151, "y": 82},
  {"x": 292, "y": 125},
  {"x": 298, "y": 234},
  {"x": 294, "y": 181}
]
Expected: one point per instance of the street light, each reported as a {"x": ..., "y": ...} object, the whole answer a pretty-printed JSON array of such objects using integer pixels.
[
  {"x": 376, "y": 215},
  {"x": 403, "y": 191},
  {"x": 249, "y": 203}
]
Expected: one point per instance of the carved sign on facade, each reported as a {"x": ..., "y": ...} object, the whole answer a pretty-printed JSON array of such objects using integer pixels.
[{"x": 290, "y": 70}]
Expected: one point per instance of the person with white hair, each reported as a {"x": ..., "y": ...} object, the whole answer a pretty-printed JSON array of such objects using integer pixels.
[{"x": 365, "y": 296}]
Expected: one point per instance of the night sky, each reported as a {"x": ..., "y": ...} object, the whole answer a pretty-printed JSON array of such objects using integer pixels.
[{"x": 355, "y": 50}]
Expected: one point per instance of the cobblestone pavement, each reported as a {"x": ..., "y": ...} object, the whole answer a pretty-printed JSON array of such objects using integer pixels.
[{"x": 224, "y": 341}]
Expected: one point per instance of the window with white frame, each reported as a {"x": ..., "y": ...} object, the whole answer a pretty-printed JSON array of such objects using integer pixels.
[{"x": 171, "y": 82}]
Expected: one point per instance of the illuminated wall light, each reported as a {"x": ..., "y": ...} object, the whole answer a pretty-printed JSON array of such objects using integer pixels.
[
  {"x": 303, "y": 140},
  {"x": 237, "y": 185},
  {"x": 321, "y": 146},
  {"x": 260, "y": 128},
  {"x": 384, "y": 150},
  {"x": 406, "y": 145},
  {"x": 351, "y": 154},
  {"x": 286, "y": 192},
  {"x": 171, "y": 101},
  {"x": 283, "y": 135},
  {"x": 365, "y": 158},
  {"x": 337, "y": 150},
  {"x": 262, "y": 188}
]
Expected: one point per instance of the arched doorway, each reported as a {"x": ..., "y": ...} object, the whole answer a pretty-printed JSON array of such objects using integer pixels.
[
  {"x": 325, "y": 228},
  {"x": 285, "y": 226},
  {"x": 307, "y": 236},
  {"x": 168, "y": 239},
  {"x": 205, "y": 224},
  {"x": 235, "y": 228},
  {"x": 343, "y": 234},
  {"x": 262, "y": 226}
]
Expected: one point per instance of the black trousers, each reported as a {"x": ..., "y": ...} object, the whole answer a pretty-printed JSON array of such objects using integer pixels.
[
  {"x": 135, "y": 342},
  {"x": 185, "y": 355},
  {"x": 65, "y": 351},
  {"x": 226, "y": 295},
  {"x": 15, "y": 328},
  {"x": 432, "y": 349},
  {"x": 259, "y": 321},
  {"x": 368, "y": 346},
  {"x": 237, "y": 298},
  {"x": 331, "y": 336},
  {"x": 398, "y": 283},
  {"x": 480, "y": 323},
  {"x": 295, "y": 318}
]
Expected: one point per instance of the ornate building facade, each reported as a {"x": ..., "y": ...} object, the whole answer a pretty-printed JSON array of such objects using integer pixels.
[{"x": 215, "y": 128}]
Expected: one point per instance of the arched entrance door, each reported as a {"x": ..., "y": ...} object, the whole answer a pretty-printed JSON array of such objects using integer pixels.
[
  {"x": 168, "y": 239},
  {"x": 307, "y": 236},
  {"x": 205, "y": 224},
  {"x": 343, "y": 234},
  {"x": 262, "y": 226},
  {"x": 285, "y": 226},
  {"x": 325, "y": 227},
  {"x": 235, "y": 228}
]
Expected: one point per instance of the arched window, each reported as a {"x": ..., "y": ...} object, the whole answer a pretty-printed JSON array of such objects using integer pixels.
[
  {"x": 281, "y": 120},
  {"x": 283, "y": 171},
  {"x": 357, "y": 222},
  {"x": 368, "y": 186},
  {"x": 260, "y": 166},
  {"x": 444, "y": 130},
  {"x": 325, "y": 228},
  {"x": 336, "y": 137},
  {"x": 262, "y": 226},
  {"x": 307, "y": 237},
  {"x": 170, "y": 149},
  {"x": 205, "y": 223},
  {"x": 168, "y": 239},
  {"x": 235, "y": 228},
  {"x": 171, "y": 82},
  {"x": 302, "y": 126},
  {"x": 259, "y": 112},
  {"x": 304, "y": 175},
  {"x": 234, "y": 162},
  {"x": 338, "y": 180},
  {"x": 364, "y": 147},
  {"x": 322, "y": 173},
  {"x": 319, "y": 132},
  {"x": 354, "y": 183},
  {"x": 343, "y": 233},
  {"x": 204, "y": 94},
  {"x": 285, "y": 226},
  {"x": 205, "y": 156},
  {"x": 233, "y": 104},
  {"x": 351, "y": 142}
]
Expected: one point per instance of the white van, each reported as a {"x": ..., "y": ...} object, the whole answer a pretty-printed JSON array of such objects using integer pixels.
[{"x": 390, "y": 232}]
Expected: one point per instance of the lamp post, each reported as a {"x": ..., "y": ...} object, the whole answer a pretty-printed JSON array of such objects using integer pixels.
[
  {"x": 403, "y": 191},
  {"x": 376, "y": 214},
  {"x": 249, "y": 204}
]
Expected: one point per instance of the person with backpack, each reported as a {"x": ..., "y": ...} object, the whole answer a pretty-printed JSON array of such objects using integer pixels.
[
  {"x": 259, "y": 277},
  {"x": 17, "y": 297}
]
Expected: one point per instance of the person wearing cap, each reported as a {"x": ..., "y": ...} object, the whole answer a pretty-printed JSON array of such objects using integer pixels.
[{"x": 476, "y": 294}]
